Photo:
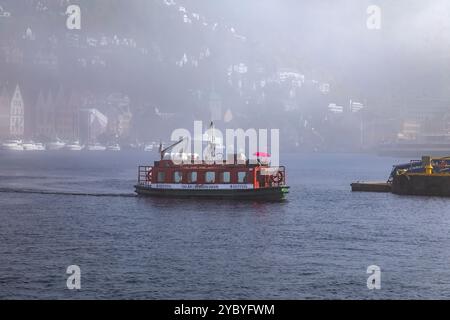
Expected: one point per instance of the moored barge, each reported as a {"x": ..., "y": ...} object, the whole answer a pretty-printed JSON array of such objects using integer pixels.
[{"x": 428, "y": 177}]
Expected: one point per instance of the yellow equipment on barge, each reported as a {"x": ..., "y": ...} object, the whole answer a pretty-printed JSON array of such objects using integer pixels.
[
  {"x": 429, "y": 177},
  {"x": 426, "y": 177}
]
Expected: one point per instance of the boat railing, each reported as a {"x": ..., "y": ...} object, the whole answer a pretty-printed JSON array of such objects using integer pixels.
[
  {"x": 282, "y": 181},
  {"x": 415, "y": 163},
  {"x": 276, "y": 176}
]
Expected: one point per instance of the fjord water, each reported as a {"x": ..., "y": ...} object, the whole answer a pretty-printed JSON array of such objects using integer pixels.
[{"x": 318, "y": 244}]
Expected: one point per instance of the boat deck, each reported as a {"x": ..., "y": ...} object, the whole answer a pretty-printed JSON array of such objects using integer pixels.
[{"x": 269, "y": 194}]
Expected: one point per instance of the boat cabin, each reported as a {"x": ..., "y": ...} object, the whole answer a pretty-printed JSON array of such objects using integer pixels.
[{"x": 239, "y": 174}]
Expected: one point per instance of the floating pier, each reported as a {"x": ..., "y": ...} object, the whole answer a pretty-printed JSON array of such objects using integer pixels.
[{"x": 371, "y": 187}]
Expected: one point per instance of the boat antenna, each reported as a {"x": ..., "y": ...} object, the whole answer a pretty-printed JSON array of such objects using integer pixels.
[{"x": 213, "y": 140}]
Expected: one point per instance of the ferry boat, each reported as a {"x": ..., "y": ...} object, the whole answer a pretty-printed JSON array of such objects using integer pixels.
[{"x": 191, "y": 178}]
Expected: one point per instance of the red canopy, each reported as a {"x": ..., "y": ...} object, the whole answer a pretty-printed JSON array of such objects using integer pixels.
[{"x": 261, "y": 154}]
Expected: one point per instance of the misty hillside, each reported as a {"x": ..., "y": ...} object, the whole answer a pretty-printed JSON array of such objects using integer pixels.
[{"x": 269, "y": 63}]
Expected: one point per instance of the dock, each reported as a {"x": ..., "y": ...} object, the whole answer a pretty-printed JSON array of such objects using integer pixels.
[
  {"x": 427, "y": 177},
  {"x": 371, "y": 187}
]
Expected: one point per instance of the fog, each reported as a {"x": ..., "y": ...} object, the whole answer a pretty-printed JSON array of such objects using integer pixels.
[{"x": 313, "y": 69}]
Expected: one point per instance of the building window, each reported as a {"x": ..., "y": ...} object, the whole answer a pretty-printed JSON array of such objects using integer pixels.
[
  {"x": 242, "y": 177},
  {"x": 161, "y": 177},
  {"x": 192, "y": 177},
  {"x": 226, "y": 177},
  {"x": 177, "y": 177},
  {"x": 210, "y": 177}
]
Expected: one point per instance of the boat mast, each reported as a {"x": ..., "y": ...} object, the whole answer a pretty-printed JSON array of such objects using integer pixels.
[
  {"x": 213, "y": 140},
  {"x": 163, "y": 151}
]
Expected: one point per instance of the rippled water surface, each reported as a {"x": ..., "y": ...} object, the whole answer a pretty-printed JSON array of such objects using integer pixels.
[{"x": 318, "y": 244}]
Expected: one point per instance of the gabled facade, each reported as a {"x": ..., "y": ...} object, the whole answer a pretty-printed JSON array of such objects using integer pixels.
[
  {"x": 17, "y": 123},
  {"x": 12, "y": 112}
]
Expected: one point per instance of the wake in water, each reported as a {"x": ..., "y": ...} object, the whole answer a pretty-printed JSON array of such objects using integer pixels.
[{"x": 65, "y": 193}]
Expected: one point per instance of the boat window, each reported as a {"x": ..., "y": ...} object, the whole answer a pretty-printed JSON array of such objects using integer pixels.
[
  {"x": 161, "y": 176},
  {"x": 177, "y": 177},
  {"x": 210, "y": 177},
  {"x": 226, "y": 177},
  {"x": 242, "y": 177},
  {"x": 192, "y": 177}
]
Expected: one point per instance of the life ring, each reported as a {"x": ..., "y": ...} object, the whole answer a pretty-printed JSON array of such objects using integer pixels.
[
  {"x": 277, "y": 178},
  {"x": 149, "y": 175},
  {"x": 442, "y": 164}
]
